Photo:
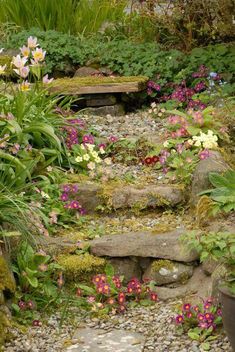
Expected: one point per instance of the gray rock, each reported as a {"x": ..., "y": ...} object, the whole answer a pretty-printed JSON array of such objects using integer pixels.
[
  {"x": 127, "y": 267},
  {"x": 55, "y": 245},
  {"x": 198, "y": 286},
  {"x": 86, "y": 71},
  {"x": 200, "y": 183},
  {"x": 149, "y": 196},
  {"x": 209, "y": 266},
  {"x": 113, "y": 110},
  {"x": 113, "y": 341},
  {"x": 144, "y": 244},
  {"x": 165, "y": 272},
  {"x": 89, "y": 195}
]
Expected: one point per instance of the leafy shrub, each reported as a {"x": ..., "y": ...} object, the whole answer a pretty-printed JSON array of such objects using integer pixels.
[
  {"x": 223, "y": 194},
  {"x": 125, "y": 57}
]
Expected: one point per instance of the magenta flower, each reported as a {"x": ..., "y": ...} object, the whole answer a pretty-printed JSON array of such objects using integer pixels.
[
  {"x": 179, "y": 319},
  {"x": 36, "y": 323},
  {"x": 88, "y": 139},
  {"x": 22, "y": 305},
  {"x": 74, "y": 204},
  {"x": 186, "y": 307},
  {"x": 204, "y": 154},
  {"x": 64, "y": 197},
  {"x": 200, "y": 317},
  {"x": 219, "y": 312},
  {"x": 74, "y": 188},
  {"x": 66, "y": 188}
]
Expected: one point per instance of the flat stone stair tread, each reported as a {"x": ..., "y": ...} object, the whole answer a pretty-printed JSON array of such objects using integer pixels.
[
  {"x": 95, "y": 85},
  {"x": 92, "y": 195},
  {"x": 97, "y": 340},
  {"x": 144, "y": 244}
]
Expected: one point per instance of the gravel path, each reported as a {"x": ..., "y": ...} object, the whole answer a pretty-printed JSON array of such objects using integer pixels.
[{"x": 155, "y": 323}]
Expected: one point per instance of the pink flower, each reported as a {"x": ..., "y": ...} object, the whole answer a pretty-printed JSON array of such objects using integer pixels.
[
  {"x": 91, "y": 299},
  {"x": 113, "y": 139},
  {"x": 22, "y": 71},
  {"x": 38, "y": 55},
  {"x": 64, "y": 197},
  {"x": 32, "y": 42},
  {"x": 204, "y": 154},
  {"x": 18, "y": 61},
  {"x": 179, "y": 319},
  {"x": 46, "y": 80}
]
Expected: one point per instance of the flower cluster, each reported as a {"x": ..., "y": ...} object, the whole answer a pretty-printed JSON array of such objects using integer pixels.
[
  {"x": 152, "y": 86},
  {"x": 151, "y": 160},
  {"x": 109, "y": 293},
  {"x": 200, "y": 319},
  {"x": 30, "y": 60},
  {"x": 87, "y": 156},
  {"x": 69, "y": 198},
  {"x": 205, "y": 140}
]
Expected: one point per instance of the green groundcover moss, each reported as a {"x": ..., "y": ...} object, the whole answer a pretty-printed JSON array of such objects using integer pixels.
[
  {"x": 81, "y": 267},
  {"x": 6, "y": 278}
]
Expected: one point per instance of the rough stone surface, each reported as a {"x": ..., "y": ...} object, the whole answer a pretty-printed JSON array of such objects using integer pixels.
[
  {"x": 100, "y": 100},
  {"x": 200, "y": 183},
  {"x": 111, "y": 341},
  {"x": 217, "y": 279},
  {"x": 56, "y": 245},
  {"x": 166, "y": 272},
  {"x": 144, "y": 244},
  {"x": 85, "y": 71},
  {"x": 113, "y": 110},
  {"x": 149, "y": 196},
  {"x": 209, "y": 266},
  {"x": 198, "y": 286},
  {"x": 89, "y": 196},
  {"x": 127, "y": 267}
]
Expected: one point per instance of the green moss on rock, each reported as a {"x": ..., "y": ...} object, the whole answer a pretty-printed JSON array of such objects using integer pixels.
[
  {"x": 4, "y": 324},
  {"x": 81, "y": 267},
  {"x": 7, "y": 282},
  {"x": 159, "y": 264}
]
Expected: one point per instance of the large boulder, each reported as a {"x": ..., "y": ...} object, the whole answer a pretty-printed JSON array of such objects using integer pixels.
[
  {"x": 166, "y": 272},
  {"x": 144, "y": 244},
  {"x": 200, "y": 182}
]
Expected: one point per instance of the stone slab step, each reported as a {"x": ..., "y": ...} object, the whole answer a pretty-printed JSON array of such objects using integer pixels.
[
  {"x": 95, "y": 85},
  {"x": 144, "y": 244},
  {"x": 92, "y": 195},
  {"x": 97, "y": 340}
]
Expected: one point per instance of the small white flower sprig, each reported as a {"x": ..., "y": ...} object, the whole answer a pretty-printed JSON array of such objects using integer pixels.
[{"x": 30, "y": 60}]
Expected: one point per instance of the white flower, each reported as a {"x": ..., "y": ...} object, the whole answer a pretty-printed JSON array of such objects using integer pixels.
[
  {"x": 86, "y": 157},
  {"x": 45, "y": 195},
  {"x": 79, "y": 159},
  {"x": 166, "y": 144},
  {"x": 98, "y": 160},
  {"x": 102, "y": 151},
  {"x": 108, "y": 161},
  {"x": 2, "y": 69},
  {"x": 1, "y": 50},
  {"x": 91, "y": 165},
  {"x": 19, "y": 62},
  {"x": 49, "y": 168},
  {"x": 32, "y": 42},
  {"x": 90, "y": 146},
  {"x": 94, "y": 154}
]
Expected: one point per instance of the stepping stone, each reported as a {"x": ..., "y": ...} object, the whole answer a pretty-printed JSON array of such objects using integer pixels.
[{"x": 92, "y": 340}]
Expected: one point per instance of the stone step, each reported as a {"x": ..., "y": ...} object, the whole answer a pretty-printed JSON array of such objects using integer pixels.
[
  {"x": 93, "y": 196},
  {"x": 144, "y": 244},
  {"x": 97, "y": 340}
]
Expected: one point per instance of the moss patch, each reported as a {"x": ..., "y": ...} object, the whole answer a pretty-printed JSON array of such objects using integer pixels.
[
  {"x": 81, "y": 267},
  {"x": 159, "y": 264},
  {"x": 6, "y": 278},
  {"x": 4, "y": 324}
]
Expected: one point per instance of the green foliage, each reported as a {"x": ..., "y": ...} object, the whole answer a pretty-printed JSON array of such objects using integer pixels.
[
  {"x": 219, "y": 246},
  {"x": 65, "y": 52},
  {"x": 35, "y": 272},
  {"x": 224, "y": 192}
]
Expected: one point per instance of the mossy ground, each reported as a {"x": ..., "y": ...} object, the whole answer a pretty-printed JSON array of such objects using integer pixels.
[
  {"x": 7, "y": 282},
  {"x": 80, "y": 268}
]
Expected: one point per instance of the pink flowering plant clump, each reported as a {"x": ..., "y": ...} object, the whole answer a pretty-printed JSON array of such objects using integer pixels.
[
  {"x": 200, "y": 322},
  {"x": 190, "y": 137},
  {"x": 108, "y": 294},
  {"x": 194, "y": 92}
]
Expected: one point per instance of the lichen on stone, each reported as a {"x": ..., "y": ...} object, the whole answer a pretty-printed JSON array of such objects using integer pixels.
[{"x": 80, "y": 267}]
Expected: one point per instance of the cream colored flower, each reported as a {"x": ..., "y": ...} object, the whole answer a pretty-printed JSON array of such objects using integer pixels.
[
  {"x": 90, "y": 146},
  {"x": 98, "y": 160},
  {"x": 166, "y": 144},
  {"x": 91, "y": 165},
  {"x": 108, "y": 161},
  {"x": 102, "y": 151},
  {"x": 190, "y": 141},
  {"x": 86, "y": 157},
  {"x": 79, "y": 159},
  {"x": 94, "y": 154},
  {"x": 2, "y": 69},
  {"x": 45, "y": 195},
  {"x": 25, "y": 51}
]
